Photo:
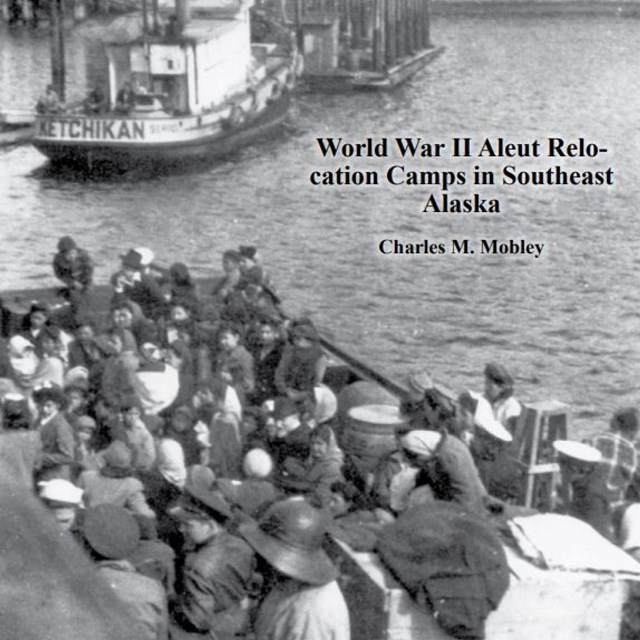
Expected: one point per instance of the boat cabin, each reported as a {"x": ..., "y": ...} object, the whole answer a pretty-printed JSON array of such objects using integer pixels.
[{"x": 190, "y": 69}]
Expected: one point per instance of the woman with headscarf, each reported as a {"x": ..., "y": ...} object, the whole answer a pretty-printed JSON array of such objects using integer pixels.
[
  {"x": 319, "y": 472},
  {"x": 446, "y": 467},
  {"x": 23, "y": 364}
]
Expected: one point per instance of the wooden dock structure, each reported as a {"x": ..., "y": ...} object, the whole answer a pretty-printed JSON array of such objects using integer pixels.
[{"x": 361, "y": 43}]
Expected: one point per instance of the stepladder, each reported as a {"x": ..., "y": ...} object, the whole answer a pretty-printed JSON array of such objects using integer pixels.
[{"x": 539, "y": 425}]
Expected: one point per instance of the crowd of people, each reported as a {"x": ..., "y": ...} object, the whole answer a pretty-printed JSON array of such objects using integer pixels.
[{"x": 189, "y": 442}]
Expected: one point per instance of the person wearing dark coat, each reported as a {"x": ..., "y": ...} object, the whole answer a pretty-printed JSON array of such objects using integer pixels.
[
  {"x": 183, "y": 289},
  {"x": 84, "y": 351},
  {"x": 583, "y": 490},
  {"x": 217, "y": 575},
  {"x": 303, "y": 362},
  {"x": 266, "y": 349},
  {"x": 112, "y": 536},
  {"x": 58, "y": 441},
  {"x": 446, "y": 467},
  {"x": 234, "y": 363},
  {"x": 73, "y": 266},
  {"x": 140, "y": 287}
]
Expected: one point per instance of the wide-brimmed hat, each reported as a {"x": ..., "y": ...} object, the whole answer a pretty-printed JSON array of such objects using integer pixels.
[
  {"x": 50, "y": 392},
  {"x": 146, "y": 255},
  {"x": 132, "y": 260},
  {"x": 111, "y": 531},
  {"x": 289, "y": 536},
  {"x": 60, "y": 491},
  {"x": 577, "y": 451},
  {"x": 485, "y": 420},
  {"x": 196, "y": 503}
]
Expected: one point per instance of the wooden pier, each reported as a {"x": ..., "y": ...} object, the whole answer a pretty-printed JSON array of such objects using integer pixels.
[{"x": 357, "y": 44}]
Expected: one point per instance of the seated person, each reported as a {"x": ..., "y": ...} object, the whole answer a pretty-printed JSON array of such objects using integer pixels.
[
  {"x": 49, "y": 101},
  {"x": 96, "y": 101},
  {"x": 492, "y": 451},
  {"x": 583, "y": 490},
  {"x": 125, "y": 99},
  {"x": 287, "y": 435},
  {"x": 314, "y": 476},
  {"x": 446, "y": 467},
  {"x": 303, "y": 362}
]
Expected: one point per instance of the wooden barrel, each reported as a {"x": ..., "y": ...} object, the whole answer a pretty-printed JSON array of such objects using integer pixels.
[
  {"x": 362, "y": 393},
  {"x": 370, "y": 432}
]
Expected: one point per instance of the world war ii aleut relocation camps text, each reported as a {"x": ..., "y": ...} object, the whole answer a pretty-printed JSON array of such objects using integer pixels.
[{"x": 461, "y": 175}]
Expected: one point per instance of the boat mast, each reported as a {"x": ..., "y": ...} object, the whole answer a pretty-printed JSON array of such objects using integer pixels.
[{"x": 56, "y": 33}]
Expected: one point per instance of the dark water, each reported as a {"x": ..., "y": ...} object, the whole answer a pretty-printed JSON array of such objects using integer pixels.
[{"x": 565, "y": 324}]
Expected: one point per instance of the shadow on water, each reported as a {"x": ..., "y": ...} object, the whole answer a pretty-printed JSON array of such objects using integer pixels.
[{"x": 108, "y": 172}]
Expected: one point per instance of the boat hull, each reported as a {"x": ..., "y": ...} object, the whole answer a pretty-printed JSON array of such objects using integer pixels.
[{"x": 133, "y": 145}]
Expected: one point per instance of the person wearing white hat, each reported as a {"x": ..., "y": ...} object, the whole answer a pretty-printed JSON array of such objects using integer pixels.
[
  {"x": 491, "y": 448},
  {"x": 583, "y": 490},
  {"x": 63, "y": 499},
  {"x": 446, "y": 465}
]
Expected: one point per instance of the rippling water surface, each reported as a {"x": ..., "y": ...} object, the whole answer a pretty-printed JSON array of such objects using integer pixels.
[{"x": 566, "y": 324}]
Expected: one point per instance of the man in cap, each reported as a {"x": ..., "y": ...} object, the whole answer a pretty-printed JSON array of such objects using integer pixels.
[
  {"x": 411, "y": 406},
  {"x": 72, "y": 265},
  {"x": 303, "y": 600},
  {"x": 113, "y": 536},
  {"x": 583, "y": 491},
  {"x": 217, "y": 571},
  {"x": 498, "y": 390},
  {"x": 142, "y": 288}
]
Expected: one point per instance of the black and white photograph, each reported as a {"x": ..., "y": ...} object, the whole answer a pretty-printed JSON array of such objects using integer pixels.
[{"x": 318, "y": 320}]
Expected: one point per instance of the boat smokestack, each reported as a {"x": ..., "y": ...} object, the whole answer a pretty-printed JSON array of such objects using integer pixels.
[{"x": 183, "y": 13}]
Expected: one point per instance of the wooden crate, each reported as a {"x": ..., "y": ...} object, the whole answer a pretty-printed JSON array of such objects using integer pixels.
[{"x": 539, "y": 604}]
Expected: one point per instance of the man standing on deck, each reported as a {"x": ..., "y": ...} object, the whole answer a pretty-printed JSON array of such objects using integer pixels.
[
  {"x": 217, "y": 573},
  {"x": 303, "y": 600},
  {"x": 74, "y": 267}
]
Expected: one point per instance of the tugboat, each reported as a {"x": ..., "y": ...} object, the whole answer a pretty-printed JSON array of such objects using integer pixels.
[{"x": 194, "y": 89}]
